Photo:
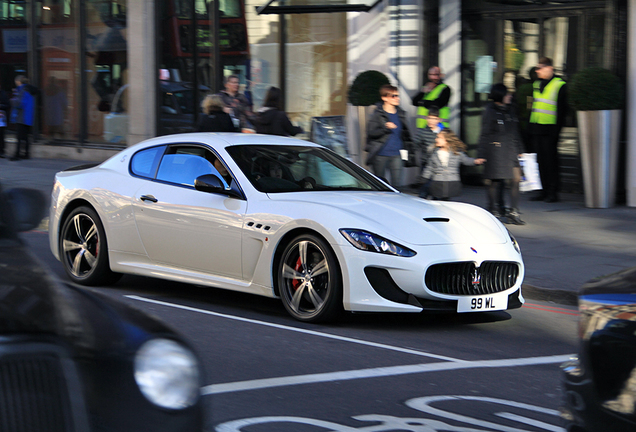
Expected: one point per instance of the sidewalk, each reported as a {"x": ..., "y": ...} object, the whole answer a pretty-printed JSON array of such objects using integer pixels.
[{"x": 563, "y": 244}]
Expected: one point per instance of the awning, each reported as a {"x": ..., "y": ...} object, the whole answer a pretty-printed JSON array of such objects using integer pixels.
[{"x": 312, "y": 6}]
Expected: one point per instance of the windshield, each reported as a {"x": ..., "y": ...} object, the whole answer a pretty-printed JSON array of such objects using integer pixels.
[{"x": 299, "y": 168}]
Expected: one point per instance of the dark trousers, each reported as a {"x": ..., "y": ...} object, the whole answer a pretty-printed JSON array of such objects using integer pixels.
[
  {"x": 2, "y": 140},
  {"x": 548, "y": 160},
  {"x": 393, "y": 163},
  {"x": 23, "y": 132}
]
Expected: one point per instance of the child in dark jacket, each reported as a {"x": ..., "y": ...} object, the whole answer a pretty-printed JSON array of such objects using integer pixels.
[
  {"x": 443, "y": 165},
  {"x": 425, "y": 144}
]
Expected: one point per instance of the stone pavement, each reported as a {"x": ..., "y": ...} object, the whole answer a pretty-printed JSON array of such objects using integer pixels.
[{"x": 563, "y": 244}]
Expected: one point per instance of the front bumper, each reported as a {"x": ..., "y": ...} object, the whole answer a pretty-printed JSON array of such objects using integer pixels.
[{"x": 385, "y": 283}]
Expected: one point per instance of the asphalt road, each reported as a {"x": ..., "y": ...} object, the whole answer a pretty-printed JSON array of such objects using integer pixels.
[{"x": 495, "y": 371}]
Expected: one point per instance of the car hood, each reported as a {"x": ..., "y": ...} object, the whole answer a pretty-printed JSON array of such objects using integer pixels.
[{"x": 400, "y": 217}]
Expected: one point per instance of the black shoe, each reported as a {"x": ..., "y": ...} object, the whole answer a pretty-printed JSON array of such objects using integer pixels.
[
  {"x": 513, "y": 217},
  {"x": 15, "y": 158},
  {"x": 551, "y": 199},
  {"x": 500, "y": 215},
  {"x": 540, "y": 197}
]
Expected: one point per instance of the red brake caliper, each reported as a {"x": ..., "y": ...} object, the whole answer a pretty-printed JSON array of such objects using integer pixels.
[{"x": 296, "y": 282}]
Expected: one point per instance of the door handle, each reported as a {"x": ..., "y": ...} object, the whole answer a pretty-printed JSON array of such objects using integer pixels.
[{"x": 148, "y": 198}]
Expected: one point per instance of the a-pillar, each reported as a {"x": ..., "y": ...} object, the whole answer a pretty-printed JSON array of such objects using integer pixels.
[{"x": 142, "y": 71}]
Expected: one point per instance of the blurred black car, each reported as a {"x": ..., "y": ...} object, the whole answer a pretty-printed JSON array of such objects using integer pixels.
[
  {"x": 74, "y": 360},
  {"x": 600, "y": 385}
]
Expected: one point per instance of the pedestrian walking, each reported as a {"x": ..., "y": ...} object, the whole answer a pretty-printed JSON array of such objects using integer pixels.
[
  {"x": 271, "y": 119},
  {"x": 500, "y": 145},
  {"x": 443, "y": 165},
  {"x": 387, "y": 135},
  {"x": 5, "y": 107},
  {"x": 213, "y": 118},
  {"x": 237, "y": 105},
  {"x": 22, "y": 114},
  {"x": 549, "y": 108},
  {"x": 432, "y": 94}
]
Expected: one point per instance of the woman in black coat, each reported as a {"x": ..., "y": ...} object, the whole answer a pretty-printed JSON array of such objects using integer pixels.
[
  {"x": 271, "y": 119},
  {"x": 213, "y": 118},
  {"x": 500, "y": 145}
]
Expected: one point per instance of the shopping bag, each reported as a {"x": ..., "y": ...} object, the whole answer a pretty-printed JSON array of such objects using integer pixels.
[{"x": 530, "y": 179}]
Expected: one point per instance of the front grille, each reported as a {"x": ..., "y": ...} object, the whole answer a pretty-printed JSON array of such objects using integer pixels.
[
  {"x": 34, "y": 390},
  {"x": 465, "y": 278}
]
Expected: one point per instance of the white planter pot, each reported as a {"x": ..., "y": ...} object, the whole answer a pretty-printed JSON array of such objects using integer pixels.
[{"x": 599, "y": 132}]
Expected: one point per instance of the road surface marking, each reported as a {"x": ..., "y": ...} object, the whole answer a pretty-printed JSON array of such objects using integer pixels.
[
  {"x": 375, "y": 373},
  {"x": 299, "y": 330}
]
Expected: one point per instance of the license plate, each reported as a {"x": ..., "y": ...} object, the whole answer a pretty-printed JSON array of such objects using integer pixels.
[{"x": 483, "y": 303}]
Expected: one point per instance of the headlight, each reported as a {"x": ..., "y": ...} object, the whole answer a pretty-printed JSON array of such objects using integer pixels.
[
  {"x": 167, "y": 373},
  {"x": 514, "y": 243},
  {"x": 374, "y": 243}
]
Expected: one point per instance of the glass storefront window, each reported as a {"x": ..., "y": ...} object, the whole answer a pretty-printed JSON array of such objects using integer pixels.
[
  {"x": 594, "y": 41},
  {"x": 106, "y": 69},
  {"x": 59, "y": 70},
  {"x": 262, "y": 32},
  {"x": 13, "y": 49},
  {"x": 555, "y": 33},
  {"x": 186, "y": 62},
  {"x": 521, "y": 51},
  {"x": 316, "y": 66}
]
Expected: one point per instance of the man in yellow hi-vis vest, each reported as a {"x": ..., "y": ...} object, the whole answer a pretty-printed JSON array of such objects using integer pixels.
[
  {"x": 549, "y": 108},
  {"x": 433, "y": 94}
]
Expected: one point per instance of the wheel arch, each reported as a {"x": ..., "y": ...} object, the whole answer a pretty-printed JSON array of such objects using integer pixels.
[
  {"x": 78, "y": 202},
  {"x": 282, "y": 244}
]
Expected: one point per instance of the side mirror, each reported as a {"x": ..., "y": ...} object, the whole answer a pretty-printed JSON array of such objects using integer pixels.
[{"x": 213, "y": 184}]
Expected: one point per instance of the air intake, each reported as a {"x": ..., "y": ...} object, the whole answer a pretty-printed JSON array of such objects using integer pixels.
[{"x": 465, "y": 278}]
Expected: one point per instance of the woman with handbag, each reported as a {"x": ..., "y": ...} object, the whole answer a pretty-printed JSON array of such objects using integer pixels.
[
  {"x": 387, "y": 135},
  {"x": 500, "y": 145}
]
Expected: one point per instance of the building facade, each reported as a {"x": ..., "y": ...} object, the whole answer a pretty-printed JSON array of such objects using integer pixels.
[{"x": 115, "y": 72}]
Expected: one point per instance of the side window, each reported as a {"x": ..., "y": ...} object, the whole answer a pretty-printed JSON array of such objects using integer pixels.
[
  {"x": 183, "y": 168},
  {"x": 144, "y": 163}
]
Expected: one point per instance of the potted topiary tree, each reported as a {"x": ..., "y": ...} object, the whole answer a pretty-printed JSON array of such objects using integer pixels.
[
  {"x": 597, "y": 95},
  {"x": 364, "y": 92}
]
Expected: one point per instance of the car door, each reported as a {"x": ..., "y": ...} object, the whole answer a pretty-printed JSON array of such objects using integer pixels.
[{"x": 185, "y": 228}]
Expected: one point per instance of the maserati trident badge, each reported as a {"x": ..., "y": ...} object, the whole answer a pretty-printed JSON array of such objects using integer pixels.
[{"x": 476, "y": 278}]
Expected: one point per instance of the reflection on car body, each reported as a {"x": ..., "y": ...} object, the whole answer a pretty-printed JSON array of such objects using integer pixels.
[
  {"x": 72, "y": 359},
  {"x": 600, "y": 383},
  {"x": 279, "y": 217}
]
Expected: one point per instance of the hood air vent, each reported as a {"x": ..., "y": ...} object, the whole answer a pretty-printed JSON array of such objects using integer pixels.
[{"x": 436, "y": 219}]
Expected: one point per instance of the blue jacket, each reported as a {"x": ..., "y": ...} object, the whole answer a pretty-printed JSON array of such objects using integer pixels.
[{"x": 24, "y": 105}]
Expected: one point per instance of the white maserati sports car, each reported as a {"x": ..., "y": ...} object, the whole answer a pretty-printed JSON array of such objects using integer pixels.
[{"x": 279, "y": 217}]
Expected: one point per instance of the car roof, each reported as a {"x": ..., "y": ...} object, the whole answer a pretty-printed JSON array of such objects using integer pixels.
[{"x": 226, "y": 139}]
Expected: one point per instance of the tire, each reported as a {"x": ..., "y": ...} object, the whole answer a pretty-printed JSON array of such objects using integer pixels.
[
  {"x": 84, "y": 250},
  {"x": 309, "y": 280}
]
